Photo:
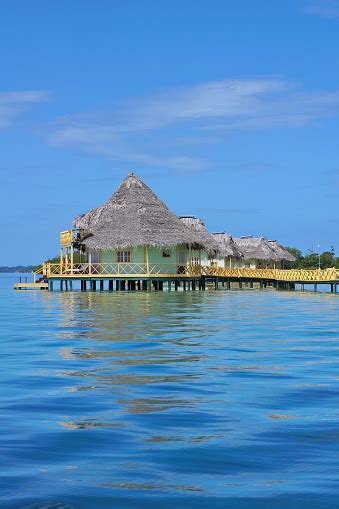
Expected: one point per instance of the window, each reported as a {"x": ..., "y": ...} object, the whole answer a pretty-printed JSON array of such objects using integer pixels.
[
  {"x": 166, "y": 254},
  {"x": 195, "y": 260},
  {"x": 124, "y": 256}
]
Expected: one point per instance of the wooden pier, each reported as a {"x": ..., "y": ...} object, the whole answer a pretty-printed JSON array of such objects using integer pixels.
[{"x": 146, "y": 277}]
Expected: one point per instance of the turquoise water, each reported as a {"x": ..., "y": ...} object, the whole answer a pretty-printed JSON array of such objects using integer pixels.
[{"x": 226, "y": 399}]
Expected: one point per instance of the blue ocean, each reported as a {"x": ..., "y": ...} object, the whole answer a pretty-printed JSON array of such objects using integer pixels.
[{"x": 162, "y": 400}]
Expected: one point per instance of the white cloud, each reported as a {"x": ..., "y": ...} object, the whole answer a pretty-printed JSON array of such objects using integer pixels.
[
  {"x": 13, "y": 104},
  {"x": 147, "y": 130}
]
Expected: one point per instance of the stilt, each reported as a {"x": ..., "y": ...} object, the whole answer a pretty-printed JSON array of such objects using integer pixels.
[
  {"x": 66, "y": 286},
  {"x": 261, "y": 284},
  {"x": 184, "y": 285},
  {"x": 85, "y": 285},
  {"x": 240, "y": 284},
  {"x": 332, "y": 288},
  {"x": 169, "y": 285},
  {"x": 110, "y": 285},
  {"x": 251, "y": 283},
  {"x": 315, "y": 287},
  {"x": 101, "y": 285},
  {"x": 50, "y": 285},
  {"x": 161, "y": 285},
  {"x": 61, "y": 285},
  {"x": 176, "y": 285},
  {"x": 228, "y": 283},
  {"x": 123, "y": 285},
  {"x": 216, "y": 283},
  {"x": 117, "y": 285},
  {"x": 144, "y": 284},
  {"x": 193, "y": 284}
]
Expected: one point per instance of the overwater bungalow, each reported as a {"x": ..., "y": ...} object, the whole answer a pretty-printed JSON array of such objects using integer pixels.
[
  {"x": 259, "y": 253},
  {"x": 136, "y": 229},
  {"x": 134, "y": 241}
]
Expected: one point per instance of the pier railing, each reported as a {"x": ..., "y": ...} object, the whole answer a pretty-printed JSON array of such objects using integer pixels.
[{"x": 89, "y": 270}]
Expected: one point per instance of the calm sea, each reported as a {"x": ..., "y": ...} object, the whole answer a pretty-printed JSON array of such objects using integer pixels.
[{"x": 226, "y": 399}]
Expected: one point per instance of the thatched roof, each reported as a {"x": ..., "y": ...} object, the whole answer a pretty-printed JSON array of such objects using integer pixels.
[
  {"x": 260, "y": 248},
  {"x": 197, "y": 224},
  {"x": 135, "y": 216},
  {"x": 257, "y": 248},
  {"x": 227, "y": 246},
  {"x": 281, "y": 252}
]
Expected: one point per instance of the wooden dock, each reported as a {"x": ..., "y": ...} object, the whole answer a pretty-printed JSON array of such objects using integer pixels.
[
  {"x": 138, "y": 276},
  {"x": 31, "y": 286}
]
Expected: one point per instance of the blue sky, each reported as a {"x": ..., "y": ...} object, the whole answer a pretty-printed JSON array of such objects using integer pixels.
[{"x": 229, "y": 110}]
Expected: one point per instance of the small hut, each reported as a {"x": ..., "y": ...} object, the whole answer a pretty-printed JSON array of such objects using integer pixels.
[
  {"x": 134, "y": 226},
  {"x": 257, "y": 253},
  {"x": 229, "y": 252}
]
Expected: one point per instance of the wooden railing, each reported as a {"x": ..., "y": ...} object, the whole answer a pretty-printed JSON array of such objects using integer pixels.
[{"x": 172, "y": 269}]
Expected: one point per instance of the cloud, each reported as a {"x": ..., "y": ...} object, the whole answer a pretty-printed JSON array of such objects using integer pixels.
[
  {"x": 12, "y": 104},
  {"x": 325, "y": 9},
  {"x": 176, "y": 128}
]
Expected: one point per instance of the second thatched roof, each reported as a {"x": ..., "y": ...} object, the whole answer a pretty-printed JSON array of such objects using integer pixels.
[
  {"x": 227, "y": 246},
  {"x": 197, "y": 224},
  {"x": 260, "y": 248},
  {"x": 135, "y": 216}
]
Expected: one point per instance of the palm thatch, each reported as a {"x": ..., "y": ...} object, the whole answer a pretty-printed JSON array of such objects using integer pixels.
[
  {"x": 135, "y": 216},
  {"x": 227, "y": 246},
  {"x": 197, "y": 224},
  {"x": 281, "y": 252},
  {"x": 260, "y": 248},
  {"x": 257, "y": 248}
]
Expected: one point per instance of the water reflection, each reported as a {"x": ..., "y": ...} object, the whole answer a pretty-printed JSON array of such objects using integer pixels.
[{"x": 196, "y": 398}]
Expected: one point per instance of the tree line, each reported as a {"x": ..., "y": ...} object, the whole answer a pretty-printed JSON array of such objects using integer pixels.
[{"x": 312, "y": 260}]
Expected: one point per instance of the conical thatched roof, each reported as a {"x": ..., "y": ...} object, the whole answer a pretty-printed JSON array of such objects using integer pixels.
[
  {"x": 281, "y": 252},
  {"x": 135, "y": 216},
  {"x": 227, "y": 246},
  {"x": 258, "y": 248},
  {"x": 197, "y": 224}
]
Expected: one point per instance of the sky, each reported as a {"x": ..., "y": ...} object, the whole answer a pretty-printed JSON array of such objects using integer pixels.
[{"x": 227, "y": 109}]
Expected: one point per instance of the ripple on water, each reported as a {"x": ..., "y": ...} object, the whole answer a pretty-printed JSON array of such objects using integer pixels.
[{"x": 162, "y": 400}]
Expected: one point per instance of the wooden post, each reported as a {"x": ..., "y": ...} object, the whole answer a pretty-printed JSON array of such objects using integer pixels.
[
  {"x": 193, "y": 284},
  {"x": 110, "y": 285},
  {"x": 216, "y": 283},
  {"x": 89, "y": 262},
  {"x": 123, "y": 285},
  {"x": 101, "y": 285},
  {"x": 72, "y": 258},
  {"x": 61, "y": 285},
  {"x": 147, "y": 261},
  {"x": 240, "y": 284},
  {"x": 251, "y": 283},
  {"x": 176, "y": 285}
]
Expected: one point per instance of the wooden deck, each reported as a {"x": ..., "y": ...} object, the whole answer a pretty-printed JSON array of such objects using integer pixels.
[{"x": 31, "y": 286}]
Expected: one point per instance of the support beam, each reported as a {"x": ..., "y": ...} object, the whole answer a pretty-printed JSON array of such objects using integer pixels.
[{"x": 110, "y": 285}]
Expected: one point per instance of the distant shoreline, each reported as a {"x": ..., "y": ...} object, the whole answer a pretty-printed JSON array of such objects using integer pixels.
[{"x": 22, "y": 269}]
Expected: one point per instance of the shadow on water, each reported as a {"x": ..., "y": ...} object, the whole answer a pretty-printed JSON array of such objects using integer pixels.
[{"x": 196, "y": 399}]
